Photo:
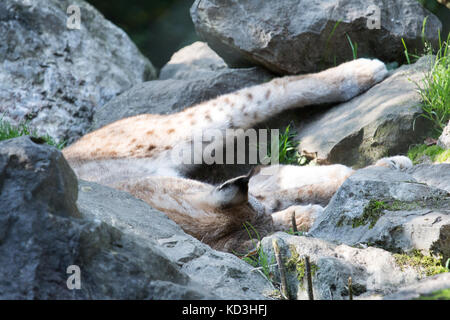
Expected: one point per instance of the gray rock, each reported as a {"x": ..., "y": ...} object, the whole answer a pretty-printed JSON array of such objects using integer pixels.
[
  {"x": 382, "y": 121},
  {"x": 387, "y": 209},
  {"x": 444, "y": 139},
  {"x": 373, "y": 270},
  {"x": 124, "y": 248},
  {"x": 193, "y": 61},
  {"x": 423, "y": 289},
  {"x": 296, "y": 36},
  {"x": 194, "y": 74},
  {"x": 57, "y": 76},
  {"x": 219, "y": 272}
]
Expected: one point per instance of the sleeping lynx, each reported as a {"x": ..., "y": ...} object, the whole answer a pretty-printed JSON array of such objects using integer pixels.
[{"x": 134, "y": 154}]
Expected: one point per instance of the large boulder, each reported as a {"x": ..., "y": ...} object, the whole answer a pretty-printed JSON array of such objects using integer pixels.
[
  {"x": 382, "y": 121},
  {"x": 427, "y": 289},
  {"x": 123, "y": 248},
  {"x": 301, "y": 36},
  {"x": 373, "y": 271},
  {"x": 194, "y": 74},
  {"x": 55, "y": 76},
  {"x": 435, "y": 175},
  {"x": 388, "y": 209}
]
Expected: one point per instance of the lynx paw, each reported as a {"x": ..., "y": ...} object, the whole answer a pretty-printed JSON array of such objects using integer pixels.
[{"x": 395, "y": 162}]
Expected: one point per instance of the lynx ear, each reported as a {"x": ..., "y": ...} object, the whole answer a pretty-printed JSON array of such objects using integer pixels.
[{"x": 232, "y": 192}]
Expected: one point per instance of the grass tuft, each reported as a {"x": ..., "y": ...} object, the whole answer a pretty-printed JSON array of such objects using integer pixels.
[
  {"x": 435, "y": 153},
  {"x": 260, "y": 259}
]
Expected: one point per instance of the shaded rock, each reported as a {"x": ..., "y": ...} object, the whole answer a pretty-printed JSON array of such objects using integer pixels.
[
  {"x": 119, "y": 243},
  {"x": 373, "y": 270},
  {"x": 381, "y": 122},
  {"x": 444, "y": 139},
  {"x": 195, "y": 74},
  {"x": 387, "y": 209},
  {"x": 56, "y": 76},
  {"x": 423, "y": 289},
  {"x": 299, "y": 36}
]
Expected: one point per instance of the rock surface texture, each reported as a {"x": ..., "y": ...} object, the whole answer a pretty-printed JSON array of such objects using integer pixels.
[
  {"x": 55, "y": 76},
  {"x": 423, "y": 289},
  {"x": 124, "y": 248},
  {"x": 301, "y": 36}
]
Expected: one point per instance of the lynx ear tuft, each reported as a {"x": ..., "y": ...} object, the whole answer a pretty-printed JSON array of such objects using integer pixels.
[
  {"x": 232, "y": 192},
  {"x": 395, "y": 162}
]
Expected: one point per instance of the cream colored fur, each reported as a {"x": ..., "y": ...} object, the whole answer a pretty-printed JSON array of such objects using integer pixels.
[{"x": 132, "y": 154}]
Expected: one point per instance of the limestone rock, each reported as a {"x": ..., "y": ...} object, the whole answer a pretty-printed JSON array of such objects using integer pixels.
[
  {"x": 388, "y": 209},
  {"x": 193, "y": 75},
  {"x": 222, "y": 273},
  {"x": 381, "y": 122}
]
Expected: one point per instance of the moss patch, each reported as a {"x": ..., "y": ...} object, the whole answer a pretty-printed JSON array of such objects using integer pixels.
[
  {"x": 443, "y": 156},
  {"x": 9, "y": 131},
  {"x": 297, "y": 264},
  {"x": 371, "y": 213},
  {"x": 424, "y": 265},
  {"x": 437, "y": 295},
  {"x": 435, "y": 153}
]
